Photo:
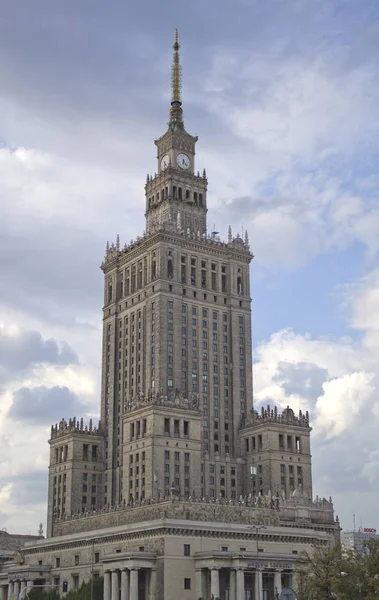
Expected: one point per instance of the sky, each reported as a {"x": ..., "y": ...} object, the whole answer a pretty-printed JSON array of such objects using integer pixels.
[{"x": 283, "y": 95}]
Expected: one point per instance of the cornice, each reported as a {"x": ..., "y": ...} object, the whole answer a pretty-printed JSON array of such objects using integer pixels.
[{"x": 168, "y": 527}]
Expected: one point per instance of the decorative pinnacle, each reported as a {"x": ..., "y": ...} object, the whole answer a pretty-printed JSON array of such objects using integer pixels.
[{"x": 176, "y": 77}]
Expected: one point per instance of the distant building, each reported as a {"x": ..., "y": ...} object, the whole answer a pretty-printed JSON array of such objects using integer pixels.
[
  {"x": 355, "y": 540},
  {"x": 183, "y": 490}
]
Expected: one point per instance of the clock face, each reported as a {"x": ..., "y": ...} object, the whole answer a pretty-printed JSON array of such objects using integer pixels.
[
  {"x": 183, "y": 161},
  {"x": 164, "y": 162}
]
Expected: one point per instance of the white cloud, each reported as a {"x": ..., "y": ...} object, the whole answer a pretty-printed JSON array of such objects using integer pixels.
[
  {"x": 343, "y": 400},
  {"x": 345, "y": 413}
]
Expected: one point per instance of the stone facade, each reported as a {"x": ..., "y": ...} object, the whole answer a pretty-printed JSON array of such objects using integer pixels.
[{"x": 182, "y": 490}]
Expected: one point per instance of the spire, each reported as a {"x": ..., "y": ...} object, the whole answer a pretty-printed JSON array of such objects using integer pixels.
[{"x": 176, "y": 112}]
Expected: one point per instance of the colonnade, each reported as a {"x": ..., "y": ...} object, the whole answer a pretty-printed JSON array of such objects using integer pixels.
[
  {"x": 234, "y": 581},
  {"x": 122, "y": 584},
  {"x": 15, "y": 587}
]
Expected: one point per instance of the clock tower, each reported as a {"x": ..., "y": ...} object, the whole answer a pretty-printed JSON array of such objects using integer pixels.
[{"x": 175, "y": 192}]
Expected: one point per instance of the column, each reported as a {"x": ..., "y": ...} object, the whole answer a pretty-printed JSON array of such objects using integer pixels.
[
  {"x": 215, "y": 583},
  {"x": 199, "y": 583},
  {"x": 17, "y": 587},
  {"x": 258, "y": 585},
  {"x": 277, "y": 583},
  {"x": 133, "y": 584},
  {"x": 115, "y": 592},
  {"x": 10, "y": 589},
  {"x": 153, "y": 584},
  {"x": 240, "y": 587},
  {"x": 107, "y": 585},
  {"x": 232, "y": 584},
  {"x": 29, "y": 584},
  {"x": 23, "y": 586},
  {"x": 124, "y": 585}
]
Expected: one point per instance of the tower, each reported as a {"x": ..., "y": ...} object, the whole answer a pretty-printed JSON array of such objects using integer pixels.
[
  {"x": 176, "y": 328},
  {"x": 75, "y": 469},
  {"x": 171, "y": 495},
  {"x": 176, "y": 397}
]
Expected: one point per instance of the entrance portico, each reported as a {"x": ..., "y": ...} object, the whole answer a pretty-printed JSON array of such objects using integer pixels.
[
  {"x": 24, "y": 576},
  {"x": 130, "y": 576},
  {"x": 233, "y": 576}
]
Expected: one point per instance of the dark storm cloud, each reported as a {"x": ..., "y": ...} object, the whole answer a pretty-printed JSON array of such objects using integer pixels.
[
  {"x": 301, "y": 379},
  {"x": 21, "y": 351},
  {"x": 44, "y": 405}
]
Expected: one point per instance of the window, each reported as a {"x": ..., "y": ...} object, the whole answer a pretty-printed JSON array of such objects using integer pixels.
[
  {"x": 224, "y": 548},
  {"x": 85, "y": 451},
  {"x": 76, "y": 559},
  {"x": 57, "y": 563},
  {"x": 187, "y": 583},
  {"x": 187, "y": 550},
  {"x": 75, "y": 582},
  {"x": 97, "y": 557}
]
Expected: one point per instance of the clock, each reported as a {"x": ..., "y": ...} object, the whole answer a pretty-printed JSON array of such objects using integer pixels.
[
  {"x": 183, "y": 161},
  {"x": 165, "y": 162}
]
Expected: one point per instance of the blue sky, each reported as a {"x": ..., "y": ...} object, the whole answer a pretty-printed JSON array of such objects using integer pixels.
[{"x": 283, "y": 96}]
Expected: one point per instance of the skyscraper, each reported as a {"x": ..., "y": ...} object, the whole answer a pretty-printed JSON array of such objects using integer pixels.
[
  {"x": 183, "y": 489},
  {"x": 177, "y": 361},
  {"x": 176, "y": 311}
]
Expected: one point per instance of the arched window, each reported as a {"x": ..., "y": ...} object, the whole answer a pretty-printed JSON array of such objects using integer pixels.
[
  {"x": 201, "y": 199},
  {"x": 174, "y": 191},
  {"x": 166, "y": 192},
  {"x": 187, "y": 194},
  {"x": 239, "y": 285},
  {"x": 180, "y": 193},
  {"x": 195, "y": 197},
  {"x": 163, "y": 196},
  {"x": 157, "y": 196}
]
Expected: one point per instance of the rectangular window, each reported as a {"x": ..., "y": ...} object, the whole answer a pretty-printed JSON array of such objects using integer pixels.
[
  {"x": 76, "y": 559},
  {"x": 85, "y": 451},
  {"x": 187, "y": 583},
  {"x": 187, "y": 550}
]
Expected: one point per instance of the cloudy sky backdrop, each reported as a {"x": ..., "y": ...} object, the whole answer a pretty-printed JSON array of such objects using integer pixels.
[{"x": 284, "y": 97}]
